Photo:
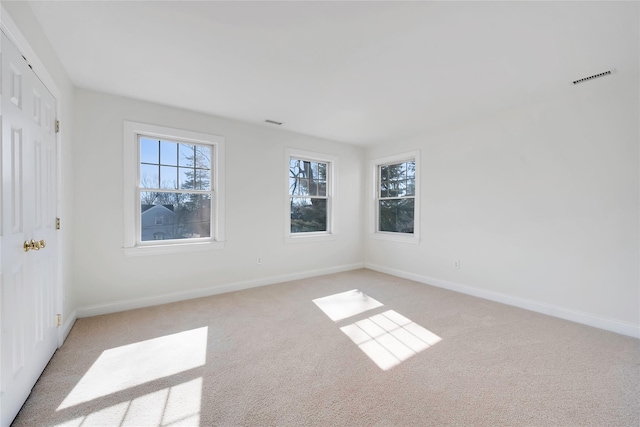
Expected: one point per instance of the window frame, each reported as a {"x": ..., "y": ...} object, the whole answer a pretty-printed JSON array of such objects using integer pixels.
[
  {"x": 374, "y": 211},
  {"x": 133, "y": 245},
  {"x": 313, "y": 236}
]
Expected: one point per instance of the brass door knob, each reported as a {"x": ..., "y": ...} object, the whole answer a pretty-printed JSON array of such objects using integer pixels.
[{"x": 32, "y": 245}]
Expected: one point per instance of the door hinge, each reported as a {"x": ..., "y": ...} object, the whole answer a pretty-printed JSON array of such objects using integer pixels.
[
  {"x": 57, "y": 223},
  {"x": 57, "y": 126},
  {"x": 58, "y": 320}
]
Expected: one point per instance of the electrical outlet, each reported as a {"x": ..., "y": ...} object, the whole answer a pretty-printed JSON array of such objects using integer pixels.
[{"x": 456, "y": 264}]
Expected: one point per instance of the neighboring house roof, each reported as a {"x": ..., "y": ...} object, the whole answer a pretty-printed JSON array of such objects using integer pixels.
[{"x": 156, "y": 209}]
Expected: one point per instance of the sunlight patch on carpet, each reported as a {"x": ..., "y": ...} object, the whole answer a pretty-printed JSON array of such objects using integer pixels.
[
  {"x": 131, "y": 365},
  {"x": 390, "y": 338},
  {"x": 172, "y": 406},
  {"x": 346, "y": 304}
]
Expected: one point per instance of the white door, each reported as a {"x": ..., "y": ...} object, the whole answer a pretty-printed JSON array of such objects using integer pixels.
[{"x": 29, "y": 198}]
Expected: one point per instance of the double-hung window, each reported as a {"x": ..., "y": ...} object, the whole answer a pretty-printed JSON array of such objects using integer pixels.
[
  {"x": 396, "y": 197},
  {"x": 310, "y": 198},
  {"x": 173, "y": 189}
]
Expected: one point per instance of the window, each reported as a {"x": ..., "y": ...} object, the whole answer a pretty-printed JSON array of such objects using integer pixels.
[
  {"x": 175, "y": 184},
  {"x": 396, "y": 197},
  {"x": 174, "y": 190},
  {"x": 396, "y": 194},
  {"x": 309, "y": 203}
]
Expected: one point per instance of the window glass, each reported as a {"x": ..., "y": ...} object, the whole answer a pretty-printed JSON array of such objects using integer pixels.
[
  {"x": 186, "y": 155},
  {"x": 396, "y": 197},
  {"x": 308, "y": 194},
  {"x": 168, "y": 153},
  {"x": 185, "y": 211},
  {"x": 149, "y": 150},
  {"x": 396, "y": 215},
  {"x": 308, "y": 215}
]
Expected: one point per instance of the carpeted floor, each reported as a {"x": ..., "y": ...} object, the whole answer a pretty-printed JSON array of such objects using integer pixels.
[{"x": 417, "y": 356}]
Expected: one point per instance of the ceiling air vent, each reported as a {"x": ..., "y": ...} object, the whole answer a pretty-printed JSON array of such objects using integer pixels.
[
  {"x": 273, "y": 122},
  {"x": 595, "y": 76}
]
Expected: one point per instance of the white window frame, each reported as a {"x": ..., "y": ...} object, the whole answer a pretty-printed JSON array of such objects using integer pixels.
[
  {"x": 332, "y": 167},
  {"x": 374, "y": 211},
  {"x": 133, "y": 246}
]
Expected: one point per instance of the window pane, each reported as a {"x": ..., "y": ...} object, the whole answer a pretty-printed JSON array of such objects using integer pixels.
[
  {"x": 168, "y": 177},
  {"x": 402, "y": 188},
  {"x": 187, "y": 154},
  {"x": 384, "y": 189},
  {"x": 313, "y": 187},
  {"x": 169, "y": 153},
  {"x": 303, "y": 187},
  {"x": 393, "y": 188},
  {"x": 403, "y": 171},
  {"x": 194, "y": 179},
  {"x": 308, "y": 215},
  {"x": 411, "y": 169},
  {"x": 149, "y": 150},
  {"x": 293, "y": 186},
  {"x": 166, "y": 216},
  {"x": 397, "y": 171},
  {"x": 322, "y": 172},
  {"x": 306, "y": 169},
  {"x": 396, "y": 215},
  {"x": 186, "y": 178},
  {"x": 149, "y": 177},
  {"x": 384, "y": 173},
  {"x": 322, "y": 189},
  {"x": 202, "y": 179},
  {"x": 294, "y": 170},
  {"x": 203, "y": 157},
  {"x": 411, "y": 187}
]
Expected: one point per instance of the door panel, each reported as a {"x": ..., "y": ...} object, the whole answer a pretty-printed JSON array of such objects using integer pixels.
[{"x": 28, "y": 278}]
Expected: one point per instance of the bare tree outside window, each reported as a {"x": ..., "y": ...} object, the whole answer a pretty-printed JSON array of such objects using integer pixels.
[
  {"x": 175, "y": 185},
  {"x": 308, "y": 195}
]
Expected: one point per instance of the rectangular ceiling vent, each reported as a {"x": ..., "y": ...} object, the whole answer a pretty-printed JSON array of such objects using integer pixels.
[
  {"x": 273, "y": 122},
  {"x": 595, "y": 76}
]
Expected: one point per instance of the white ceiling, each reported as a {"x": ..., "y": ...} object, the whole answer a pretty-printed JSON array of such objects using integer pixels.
[{"x": 356, "y": 72}]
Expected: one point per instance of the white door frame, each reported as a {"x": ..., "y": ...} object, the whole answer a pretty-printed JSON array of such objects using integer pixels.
[{"x": 10, "y": 29}]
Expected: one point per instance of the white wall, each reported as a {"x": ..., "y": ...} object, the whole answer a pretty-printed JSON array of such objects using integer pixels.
[
  {"x": 255, "y": 214},
  {"x": 21, "y": 15},
  {"x": 540, "y": 204}
]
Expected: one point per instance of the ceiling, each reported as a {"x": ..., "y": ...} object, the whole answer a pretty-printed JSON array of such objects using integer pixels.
[{"x": 356, "y": 72}]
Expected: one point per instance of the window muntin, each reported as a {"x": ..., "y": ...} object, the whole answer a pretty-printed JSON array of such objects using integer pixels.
[
  {"x": 175, "y": 189},
  {"x": 395, "y": 199},
  {"x": 308, "y": 196}
]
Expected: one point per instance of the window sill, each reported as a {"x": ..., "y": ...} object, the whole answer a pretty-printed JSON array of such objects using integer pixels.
[
  {"x": 396, "y": 237},
  {"x": 309, "y": 238},
  {"x": 175, "y": 248}
]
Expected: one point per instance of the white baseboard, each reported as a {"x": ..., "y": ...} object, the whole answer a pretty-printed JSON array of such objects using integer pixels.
[
  {"x": 66, "y": 327},
  {"x": 96, "y": 310},
  {"x": 620, "y": 327}
]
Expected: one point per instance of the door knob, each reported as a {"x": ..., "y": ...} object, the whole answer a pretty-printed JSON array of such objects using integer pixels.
[{"x": 32, "y": 245}]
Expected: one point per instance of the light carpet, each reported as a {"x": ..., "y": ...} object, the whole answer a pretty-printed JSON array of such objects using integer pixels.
[{"x": 271, "y": 356}]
